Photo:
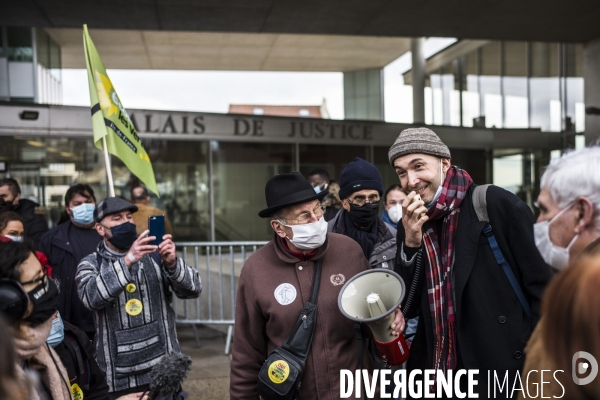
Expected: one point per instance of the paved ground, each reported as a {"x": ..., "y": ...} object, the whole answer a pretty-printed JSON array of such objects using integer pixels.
[{"x": 209, "y": 376}]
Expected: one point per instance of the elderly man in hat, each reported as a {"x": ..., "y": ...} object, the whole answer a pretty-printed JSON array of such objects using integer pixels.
[
  {"x": 470, "y": 314},
  {"x": 127, "y": 283},
  {"x": 275, "y": 283}
]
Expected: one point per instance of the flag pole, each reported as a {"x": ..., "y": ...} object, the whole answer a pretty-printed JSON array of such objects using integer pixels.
[{"x": 111, "y": 187}]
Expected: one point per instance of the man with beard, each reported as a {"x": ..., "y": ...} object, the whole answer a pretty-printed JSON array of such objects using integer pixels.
[
  {"x": 470, "y": 317},
  {"x": 361, "y": 188},
  {"x": 129, "y": 290},
  {"x": 35, "y": 224},
  {"x": 65, "y": 246}
]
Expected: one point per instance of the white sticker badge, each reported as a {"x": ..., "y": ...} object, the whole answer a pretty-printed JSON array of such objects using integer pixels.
[{"x": 285, "y": 294}]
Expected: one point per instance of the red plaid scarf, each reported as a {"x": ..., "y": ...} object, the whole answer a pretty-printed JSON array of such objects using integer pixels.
[{"x": 440, "y": 264}]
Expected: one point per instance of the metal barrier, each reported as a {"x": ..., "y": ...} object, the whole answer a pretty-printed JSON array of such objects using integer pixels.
[{"x": 216, "y": 304}]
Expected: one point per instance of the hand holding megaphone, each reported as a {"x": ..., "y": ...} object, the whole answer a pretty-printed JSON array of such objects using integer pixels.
[{"x": 374, "y": 297}]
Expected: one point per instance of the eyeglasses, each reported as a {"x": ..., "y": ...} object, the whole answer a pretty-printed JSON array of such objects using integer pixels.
[
  {"x": 304, "y": 218},
  {"x": 361, "y": 200},
  {"x": 43, "y": 281}
]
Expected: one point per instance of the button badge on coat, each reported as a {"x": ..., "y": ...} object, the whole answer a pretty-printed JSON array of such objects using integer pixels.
[
  {"x": 337, "y": 279},
  {"x": 279, "y": 371},
  {"x": 285, "y": 294},
  {"x": 130, "y": 288},
  {"x": 133, "y": 307}
]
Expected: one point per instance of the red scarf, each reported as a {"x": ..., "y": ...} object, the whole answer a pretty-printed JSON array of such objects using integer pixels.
[{"x": 440, "y": 263}]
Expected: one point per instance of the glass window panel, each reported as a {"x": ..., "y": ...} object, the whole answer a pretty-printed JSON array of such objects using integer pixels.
[
  {"x": 181, "y": 172},
  {"x": 490, "y": 85},
  {"x": 544, "y": 87},
  {"x": 55, "y": 57},
  {"x": 508, "y": 172},
  {"x": 471, "y": 99},
  {"x": 42, "y": 44},
  {"x": 46, "y": 167},
  {"x": 449, "y": 82},
  {"x": 19, "y": 44},
  {"x": 240, "y": 172},
  {"x": 331, "y": 158},
  {"x": 2, "y": 42},
  {"x": 574, "y": 85}
]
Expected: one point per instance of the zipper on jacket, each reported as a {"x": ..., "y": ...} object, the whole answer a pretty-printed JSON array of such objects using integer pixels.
[
  {"x": 304, "y": 322},
  {"x": 413, "y": 286}
]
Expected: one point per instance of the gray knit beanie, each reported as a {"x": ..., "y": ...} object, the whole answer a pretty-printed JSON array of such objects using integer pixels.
[{"x": 418, "y": 140}]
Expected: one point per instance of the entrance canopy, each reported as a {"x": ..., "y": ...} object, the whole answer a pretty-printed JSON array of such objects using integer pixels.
[{"x": 533, "y": 20}]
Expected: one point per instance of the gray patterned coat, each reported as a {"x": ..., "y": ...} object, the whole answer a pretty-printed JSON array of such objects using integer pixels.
[{"x": 127, "y": 346}]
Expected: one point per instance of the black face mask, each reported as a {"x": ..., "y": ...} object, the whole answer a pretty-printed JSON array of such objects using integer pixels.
[
  {"x": 123, "y": 236},
  {"x": 364, "y": 216},
  {"x": 45, "y": 302}
]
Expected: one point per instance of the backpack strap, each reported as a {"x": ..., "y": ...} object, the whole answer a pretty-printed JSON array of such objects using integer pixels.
[{"x": 480, "y": 204}]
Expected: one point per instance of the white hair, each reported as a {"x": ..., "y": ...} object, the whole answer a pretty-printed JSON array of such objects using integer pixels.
[{"x": 575, "y": 174}]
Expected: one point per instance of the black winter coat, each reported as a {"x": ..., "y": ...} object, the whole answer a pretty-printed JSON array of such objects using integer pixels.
[
  {"x": 77, "y": 355},
  {"x": 57, "y": 247},
  {"x": 492, "y": 328},
  {"x": 35, "y": 225}
]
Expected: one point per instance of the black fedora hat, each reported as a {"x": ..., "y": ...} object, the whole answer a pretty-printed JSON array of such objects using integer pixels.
[{"x": 286, "y": 190}]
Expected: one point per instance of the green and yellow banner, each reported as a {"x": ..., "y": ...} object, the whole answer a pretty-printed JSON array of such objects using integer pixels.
[{"x": 111, "y": 121}]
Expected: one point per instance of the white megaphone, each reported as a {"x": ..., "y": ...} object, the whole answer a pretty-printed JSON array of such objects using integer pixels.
[{"x": 372, "y": 297}]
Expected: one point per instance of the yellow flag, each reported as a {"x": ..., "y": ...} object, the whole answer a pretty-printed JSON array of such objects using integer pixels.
[{"x": 110, "y": 120}]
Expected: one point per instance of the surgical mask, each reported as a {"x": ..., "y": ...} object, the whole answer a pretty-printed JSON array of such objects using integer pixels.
[
  {"x": 57, "y": 332},
  {"x": 319, "y": 189},
  {"x": 14, "y": 238},
  {"x": 438, "y": 192},
  {"x": 364, "y": 215},
  {"x": 309, "y": 236},
  {"x": 123, "y": 235},
  {"x": 395, "y": 213},
  {"x": 555, "y": 256},
  {"x": 45, "y": 302},
  {"x": 84, "y": 213}
]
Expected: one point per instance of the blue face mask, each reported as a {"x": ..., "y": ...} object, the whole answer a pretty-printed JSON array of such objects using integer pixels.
[
  {"x": 84, "y": 213},
  {"x": 317, "y": 189},
  {"x": 14, "y": 238},
  {"x": 57, "y": 332}
]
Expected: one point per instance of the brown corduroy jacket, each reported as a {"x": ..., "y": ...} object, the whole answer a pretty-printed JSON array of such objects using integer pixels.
[{"x": 262, "y": 323}]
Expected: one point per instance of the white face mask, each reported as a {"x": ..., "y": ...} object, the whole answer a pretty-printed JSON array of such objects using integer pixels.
[
  {"x": 438, "y": 192},
  {"x": 14, "y": 238},
  {"x": 555, "y": 256},
  {"x": 309, "y": 236},
  {"x": 395, "y": 213}
]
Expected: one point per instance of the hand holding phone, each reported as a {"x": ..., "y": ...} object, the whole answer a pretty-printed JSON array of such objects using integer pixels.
[
  {"x": 156, "y": 225},
  {"x": 415, "y": 199}
]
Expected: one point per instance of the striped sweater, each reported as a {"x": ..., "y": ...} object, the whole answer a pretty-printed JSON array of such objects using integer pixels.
[{"x": 128, "y": 346}]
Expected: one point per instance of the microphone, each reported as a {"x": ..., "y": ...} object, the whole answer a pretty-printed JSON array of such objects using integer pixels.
[{"x": 166, "y": 377}]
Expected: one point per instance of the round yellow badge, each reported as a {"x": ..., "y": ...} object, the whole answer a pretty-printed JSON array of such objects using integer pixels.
[
  {"x": 130, "y": 288},
  {"x": 279, "y": 371},
  {"x": 77, "y": 392},
  {"x": 133, "y": 307}
]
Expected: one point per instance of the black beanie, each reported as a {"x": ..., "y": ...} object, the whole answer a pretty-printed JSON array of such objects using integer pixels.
[{"x": 359, "y": 175}]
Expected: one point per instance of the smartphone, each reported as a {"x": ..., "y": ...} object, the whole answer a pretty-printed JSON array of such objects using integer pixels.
[
  {"x": 156, "y": 224},
  {"x": 417, "y": 198}
]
